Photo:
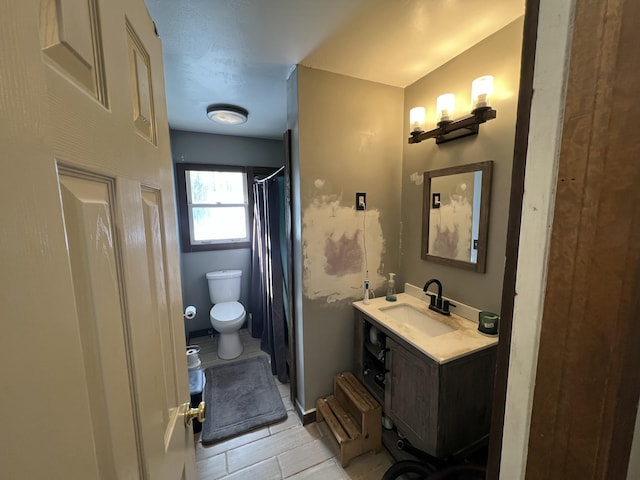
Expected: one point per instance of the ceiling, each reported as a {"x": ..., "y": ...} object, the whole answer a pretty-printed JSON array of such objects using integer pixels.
[{"x": 242, "y": 51}]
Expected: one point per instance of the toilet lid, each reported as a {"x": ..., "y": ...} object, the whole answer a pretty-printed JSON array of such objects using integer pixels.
[{"x": 227, "y": 311}]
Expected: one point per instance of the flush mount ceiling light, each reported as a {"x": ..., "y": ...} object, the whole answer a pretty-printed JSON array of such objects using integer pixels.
[{"x": 227, "y": 114}]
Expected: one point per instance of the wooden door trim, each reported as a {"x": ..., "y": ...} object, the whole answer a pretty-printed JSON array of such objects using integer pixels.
[
  {"x": 587, "y": 387},
  {"x": 292, "y": 326},
  {"x": 525, "y": 96}
]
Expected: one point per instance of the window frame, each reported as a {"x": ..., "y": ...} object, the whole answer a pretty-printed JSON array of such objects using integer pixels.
[{"x": 184, "y": 220}]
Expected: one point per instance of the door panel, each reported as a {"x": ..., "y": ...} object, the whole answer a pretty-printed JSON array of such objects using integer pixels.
[
  {"x": 156, "y": 261},
  {"x": 141, "y": 86},
  {"x": 70, "y": 38},
  {"x": 88, "y": 208}
]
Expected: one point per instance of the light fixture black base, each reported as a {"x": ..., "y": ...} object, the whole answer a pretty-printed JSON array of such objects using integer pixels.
[
  {"x": 463, "y": 127},
  {"x": 456, "y": 134}
]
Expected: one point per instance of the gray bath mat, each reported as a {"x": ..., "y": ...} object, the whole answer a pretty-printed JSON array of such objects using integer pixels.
[{"x": 240, "y": 396}]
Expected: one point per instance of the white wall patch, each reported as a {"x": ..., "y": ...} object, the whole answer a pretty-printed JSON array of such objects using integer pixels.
[
  {"x": 417, "y": 178},
  {"x": 333, "y": 243}
]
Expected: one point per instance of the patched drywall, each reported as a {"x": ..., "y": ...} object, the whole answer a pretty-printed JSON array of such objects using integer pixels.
[
  {"x": 339, "y": 245},
  {"x": 417, "y": 178}
]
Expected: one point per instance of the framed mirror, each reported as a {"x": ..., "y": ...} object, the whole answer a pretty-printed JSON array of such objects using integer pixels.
[{"x": 455, "y": 215}]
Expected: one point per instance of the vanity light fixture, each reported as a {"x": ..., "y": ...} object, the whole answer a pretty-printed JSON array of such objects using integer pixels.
[
  {"x": 227, "y": 114},
  {"x": 447, "y": 129}
]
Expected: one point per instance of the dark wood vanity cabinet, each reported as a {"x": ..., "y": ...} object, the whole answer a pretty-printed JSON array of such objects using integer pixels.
[{"x": 440, "y": 408}]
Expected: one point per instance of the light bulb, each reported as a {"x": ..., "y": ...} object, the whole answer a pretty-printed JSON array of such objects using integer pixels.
[
  {"x": 481, "y": 91},
  {"x": 445, "y": 105},
  {"x": 416, "y": 119}
]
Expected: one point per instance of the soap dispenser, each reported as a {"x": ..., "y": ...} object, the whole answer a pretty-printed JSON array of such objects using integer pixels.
[{"x": 391, "y": 288}]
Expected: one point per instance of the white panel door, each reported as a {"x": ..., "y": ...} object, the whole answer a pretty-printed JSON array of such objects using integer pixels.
[{"x": 92, "y": 347}]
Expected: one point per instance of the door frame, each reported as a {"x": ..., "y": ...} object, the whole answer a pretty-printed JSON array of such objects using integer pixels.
[
  {"x": 523, "y": 120},
  {"x": 291, "y": 321},
  {"x": 586, "y": 387}
]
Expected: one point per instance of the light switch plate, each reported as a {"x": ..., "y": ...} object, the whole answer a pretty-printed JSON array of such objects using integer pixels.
[{"x": 361, "y": 201}]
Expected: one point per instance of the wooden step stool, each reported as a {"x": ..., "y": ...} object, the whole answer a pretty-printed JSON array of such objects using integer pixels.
[{"x": 353, "y": 416}]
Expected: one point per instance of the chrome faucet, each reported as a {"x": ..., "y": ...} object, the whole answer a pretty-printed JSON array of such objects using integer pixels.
[{"x": 437, "y": 304}]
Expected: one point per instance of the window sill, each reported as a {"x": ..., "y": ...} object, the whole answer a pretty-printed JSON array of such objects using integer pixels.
[{"x": 215, "y": 246}]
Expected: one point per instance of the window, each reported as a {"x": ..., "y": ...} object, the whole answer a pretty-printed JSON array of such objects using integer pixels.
[
  {"x": 218, "y": 206},
  {"x": 215, "y": 206}
]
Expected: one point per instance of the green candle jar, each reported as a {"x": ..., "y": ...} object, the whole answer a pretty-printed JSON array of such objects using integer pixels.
[{"x": 488, "y": 323}]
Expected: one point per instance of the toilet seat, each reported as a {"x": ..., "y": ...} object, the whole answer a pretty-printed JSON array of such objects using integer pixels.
[{"x": 227, "y": 311}]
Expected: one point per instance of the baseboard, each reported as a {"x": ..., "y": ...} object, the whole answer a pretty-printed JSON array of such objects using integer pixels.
[
  {"x": 207, "y": 332},
  {"x": 305, "y": 417}
]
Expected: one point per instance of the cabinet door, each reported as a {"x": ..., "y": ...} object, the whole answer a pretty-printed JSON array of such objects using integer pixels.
[{"x": 411, "y": 396}]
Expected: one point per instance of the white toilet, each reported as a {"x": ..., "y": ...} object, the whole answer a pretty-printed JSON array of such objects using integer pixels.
[{"x": 227, "y": 314}]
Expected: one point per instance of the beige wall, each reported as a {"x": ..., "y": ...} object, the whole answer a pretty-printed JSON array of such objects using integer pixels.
[
  {"x": 350, "y": 140},
  {"x": 497, "y": 55}
]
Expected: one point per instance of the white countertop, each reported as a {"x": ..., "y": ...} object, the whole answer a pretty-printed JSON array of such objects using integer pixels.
[{"x": 464, "y": 340}]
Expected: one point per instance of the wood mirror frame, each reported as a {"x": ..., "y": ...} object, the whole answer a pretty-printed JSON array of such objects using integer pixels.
[{"x": 433, "y": 200}]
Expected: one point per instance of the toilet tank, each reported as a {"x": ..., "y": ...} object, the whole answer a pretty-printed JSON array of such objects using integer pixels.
[{"x": 224, "y": 285}]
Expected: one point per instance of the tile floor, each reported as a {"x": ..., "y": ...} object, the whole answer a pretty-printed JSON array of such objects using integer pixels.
[{"x": 284, "y": 450}]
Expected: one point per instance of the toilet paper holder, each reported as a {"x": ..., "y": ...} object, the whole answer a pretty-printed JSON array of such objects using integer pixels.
[{"x": 190, "y": 312}]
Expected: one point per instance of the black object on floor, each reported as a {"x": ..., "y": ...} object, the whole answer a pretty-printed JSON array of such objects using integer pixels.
[
  {"x": 412, "y": 463},
  {"x": 418, "y": 470},
  {"x": 422, "y": 471},
  {"x": 240, "y": 396},
  {"x": 196, "y": 385}
]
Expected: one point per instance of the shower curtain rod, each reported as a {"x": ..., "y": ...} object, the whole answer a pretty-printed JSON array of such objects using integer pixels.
[{"x": 262, "y": 180}]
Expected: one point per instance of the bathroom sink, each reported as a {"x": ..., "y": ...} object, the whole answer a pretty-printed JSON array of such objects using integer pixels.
[{"x": 418, "y": 320}]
